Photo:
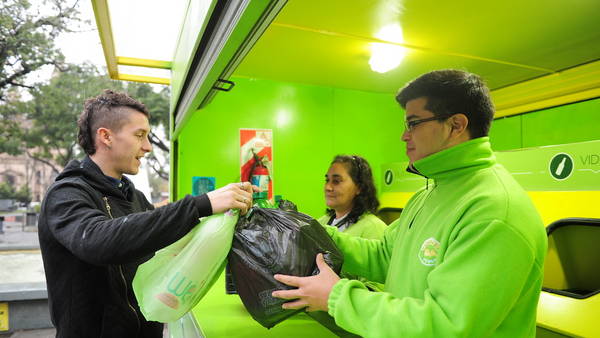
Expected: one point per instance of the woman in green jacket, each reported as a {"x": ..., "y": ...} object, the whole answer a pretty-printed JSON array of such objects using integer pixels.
[{"x": 351, "y": 200}]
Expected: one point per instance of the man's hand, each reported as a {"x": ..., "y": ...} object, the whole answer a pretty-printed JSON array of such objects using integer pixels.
[
  {"x": 312, "y": 292},
  {"x": 161, "y": 203},
  {"x": 232, "y": 196}
]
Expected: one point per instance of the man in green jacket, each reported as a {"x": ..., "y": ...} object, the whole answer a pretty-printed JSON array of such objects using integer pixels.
[{"x": 466, "y": 256}]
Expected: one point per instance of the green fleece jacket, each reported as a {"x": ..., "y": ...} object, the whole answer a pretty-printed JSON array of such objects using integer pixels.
[
  {"x": 465, "y": 258},
  {"x": 368, "y": 226}
]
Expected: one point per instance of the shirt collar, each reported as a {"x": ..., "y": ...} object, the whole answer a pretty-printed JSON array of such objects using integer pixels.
[
  {"x": 114, "y": 182},
  {"x": 122, "y": 184},
  {"x": 462, "y": 158}
]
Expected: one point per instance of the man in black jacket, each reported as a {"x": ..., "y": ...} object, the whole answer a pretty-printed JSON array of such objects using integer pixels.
[{"x": 95, "y": 228}]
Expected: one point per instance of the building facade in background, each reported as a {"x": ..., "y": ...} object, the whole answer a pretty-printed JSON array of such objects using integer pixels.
[{"x": 22, "y": 170}]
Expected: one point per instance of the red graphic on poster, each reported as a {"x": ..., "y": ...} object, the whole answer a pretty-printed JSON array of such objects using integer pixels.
[{"x": 256, "y": 158}]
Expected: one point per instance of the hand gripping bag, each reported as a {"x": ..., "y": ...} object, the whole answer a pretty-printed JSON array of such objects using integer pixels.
[
  {"x": 173, "y": 281},
  {"x": 272, "y": 241}
]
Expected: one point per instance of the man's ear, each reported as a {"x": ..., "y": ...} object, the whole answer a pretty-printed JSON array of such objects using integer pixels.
[
  {"x": 459, "y": 123},
  {"x": 104, "y": 137}
]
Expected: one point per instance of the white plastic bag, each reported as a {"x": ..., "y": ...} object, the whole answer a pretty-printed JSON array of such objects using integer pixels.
[{"x": 173, "y": 281}]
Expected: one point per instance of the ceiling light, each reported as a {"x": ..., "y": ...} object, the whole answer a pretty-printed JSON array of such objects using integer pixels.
[{"x": 385, "y": 56}]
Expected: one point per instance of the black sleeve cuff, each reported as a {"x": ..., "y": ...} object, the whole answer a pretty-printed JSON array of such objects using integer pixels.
[{"x": 203, "y": 205}]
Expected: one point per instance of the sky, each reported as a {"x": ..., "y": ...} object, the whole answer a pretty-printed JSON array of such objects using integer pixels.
[{"x": 83, "y": 46}]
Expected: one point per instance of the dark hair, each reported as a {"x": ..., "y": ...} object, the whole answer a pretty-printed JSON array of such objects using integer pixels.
[
  {"x": 359, "y": 170},
  {"x": 450, "y": 92},
  {"x": 104, "y": 111}
]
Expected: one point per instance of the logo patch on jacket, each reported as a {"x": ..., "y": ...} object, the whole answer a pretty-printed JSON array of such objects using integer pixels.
[{"x": 429, "y": 251}]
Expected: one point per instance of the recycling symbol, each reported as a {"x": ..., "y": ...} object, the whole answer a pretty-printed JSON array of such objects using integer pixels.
[
  {"x": 561, "y": 166},
  {"x": 388, "y": 177}
]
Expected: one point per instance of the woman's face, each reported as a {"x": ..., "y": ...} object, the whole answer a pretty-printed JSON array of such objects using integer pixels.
[{"x": 340, "y": 189}]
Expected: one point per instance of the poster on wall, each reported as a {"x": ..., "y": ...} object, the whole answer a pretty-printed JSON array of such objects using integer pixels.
[
  {"x": 256, "y": 158},
  {"x": 202, "y": 185}
]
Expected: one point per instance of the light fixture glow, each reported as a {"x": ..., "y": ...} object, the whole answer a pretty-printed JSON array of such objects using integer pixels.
[
  {"x": 283, "y": 118},
  {"x": 385, "y": 57}
]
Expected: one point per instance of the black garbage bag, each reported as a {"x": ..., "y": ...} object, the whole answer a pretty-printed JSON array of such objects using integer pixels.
[
  {"x": 287, "y": 205},
  {"x": 229, "y": 284},
  {"x": 272, "y": 241}
]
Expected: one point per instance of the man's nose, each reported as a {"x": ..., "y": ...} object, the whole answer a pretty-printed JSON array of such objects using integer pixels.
[
  {"x": 405, "y": 136},
  {"x": 147, "y": 146}
]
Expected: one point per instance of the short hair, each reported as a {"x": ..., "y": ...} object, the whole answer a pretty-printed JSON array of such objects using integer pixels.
[
  {"x": 104, "y": 111},
  {"x": 450, "y": 92},
  {"x": 360, "y": 171}
]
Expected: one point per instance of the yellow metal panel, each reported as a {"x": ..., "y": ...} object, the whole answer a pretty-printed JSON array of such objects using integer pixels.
[
  {"x": 502, "y": 30},
  {"x": 331, "y": 46},
  {"x": 551, "y": 102},
  {"x": 4, "y": 317},
  {"x": 141, "y": 78},
  {"x": 554, "y": 273},
  {"x": 394, "y": 199},
  {"x": 127, "y": 61},
  {"x": 554, "y": 205},
  {"x": 572, "y": 85},
  {"x": 106, "y": 36},
  {"x": 574, "y": 317},
  {"x": 102, "y": 13},
  {"x": 338, "y": 59},
  {"x": 410, "y": 46}
]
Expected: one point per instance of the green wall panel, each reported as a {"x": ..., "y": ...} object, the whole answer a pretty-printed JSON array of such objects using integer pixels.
[
  {"x": 310, "y": 125},
  {"x": 370, "y": 125},
  {"x": 565, "y": 124},
  {"x": 505, "y": 133},
  {"x": 577, "y": 122}
]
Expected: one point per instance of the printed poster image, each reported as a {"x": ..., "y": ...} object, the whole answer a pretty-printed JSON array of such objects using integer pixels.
[
  {"x": 256, "y": 158},
  {"x": 202, "y": 185}
]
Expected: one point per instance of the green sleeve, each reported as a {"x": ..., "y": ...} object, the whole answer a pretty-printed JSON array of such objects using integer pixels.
[
  {"x": 372, "y": 228},
  {"x": 323, "y": 219},
  {"x": 373, "y": 233},
  {"x": 368, "y": 258},
  {"x": 468, "y": 295}
]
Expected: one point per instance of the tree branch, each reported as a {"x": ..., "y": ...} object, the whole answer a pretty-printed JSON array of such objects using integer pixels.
[
  {"x": 15, "y": 75},
  {"x": 43, "y": 161},
  {"x": 157, "y": 167},
  {"x": 155, "y": 140},
  {"x": 161, "y": 173},
  {"x": 20, "y": 85}
]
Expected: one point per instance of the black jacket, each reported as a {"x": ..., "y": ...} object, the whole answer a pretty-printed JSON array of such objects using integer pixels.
[{"x": 92, "y": 239}]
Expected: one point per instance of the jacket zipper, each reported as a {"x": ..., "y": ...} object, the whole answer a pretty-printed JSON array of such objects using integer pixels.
[
  {"x": 121, "y": 270},
  {"x": 127, "y": 298},
  {"x": 411, "y": 169},
  {"x": 107, "y": 206},
  {"x": 422, "y": 204}
]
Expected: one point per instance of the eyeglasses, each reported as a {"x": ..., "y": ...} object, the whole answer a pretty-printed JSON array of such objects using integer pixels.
[{"x": 410, "y": 125}]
